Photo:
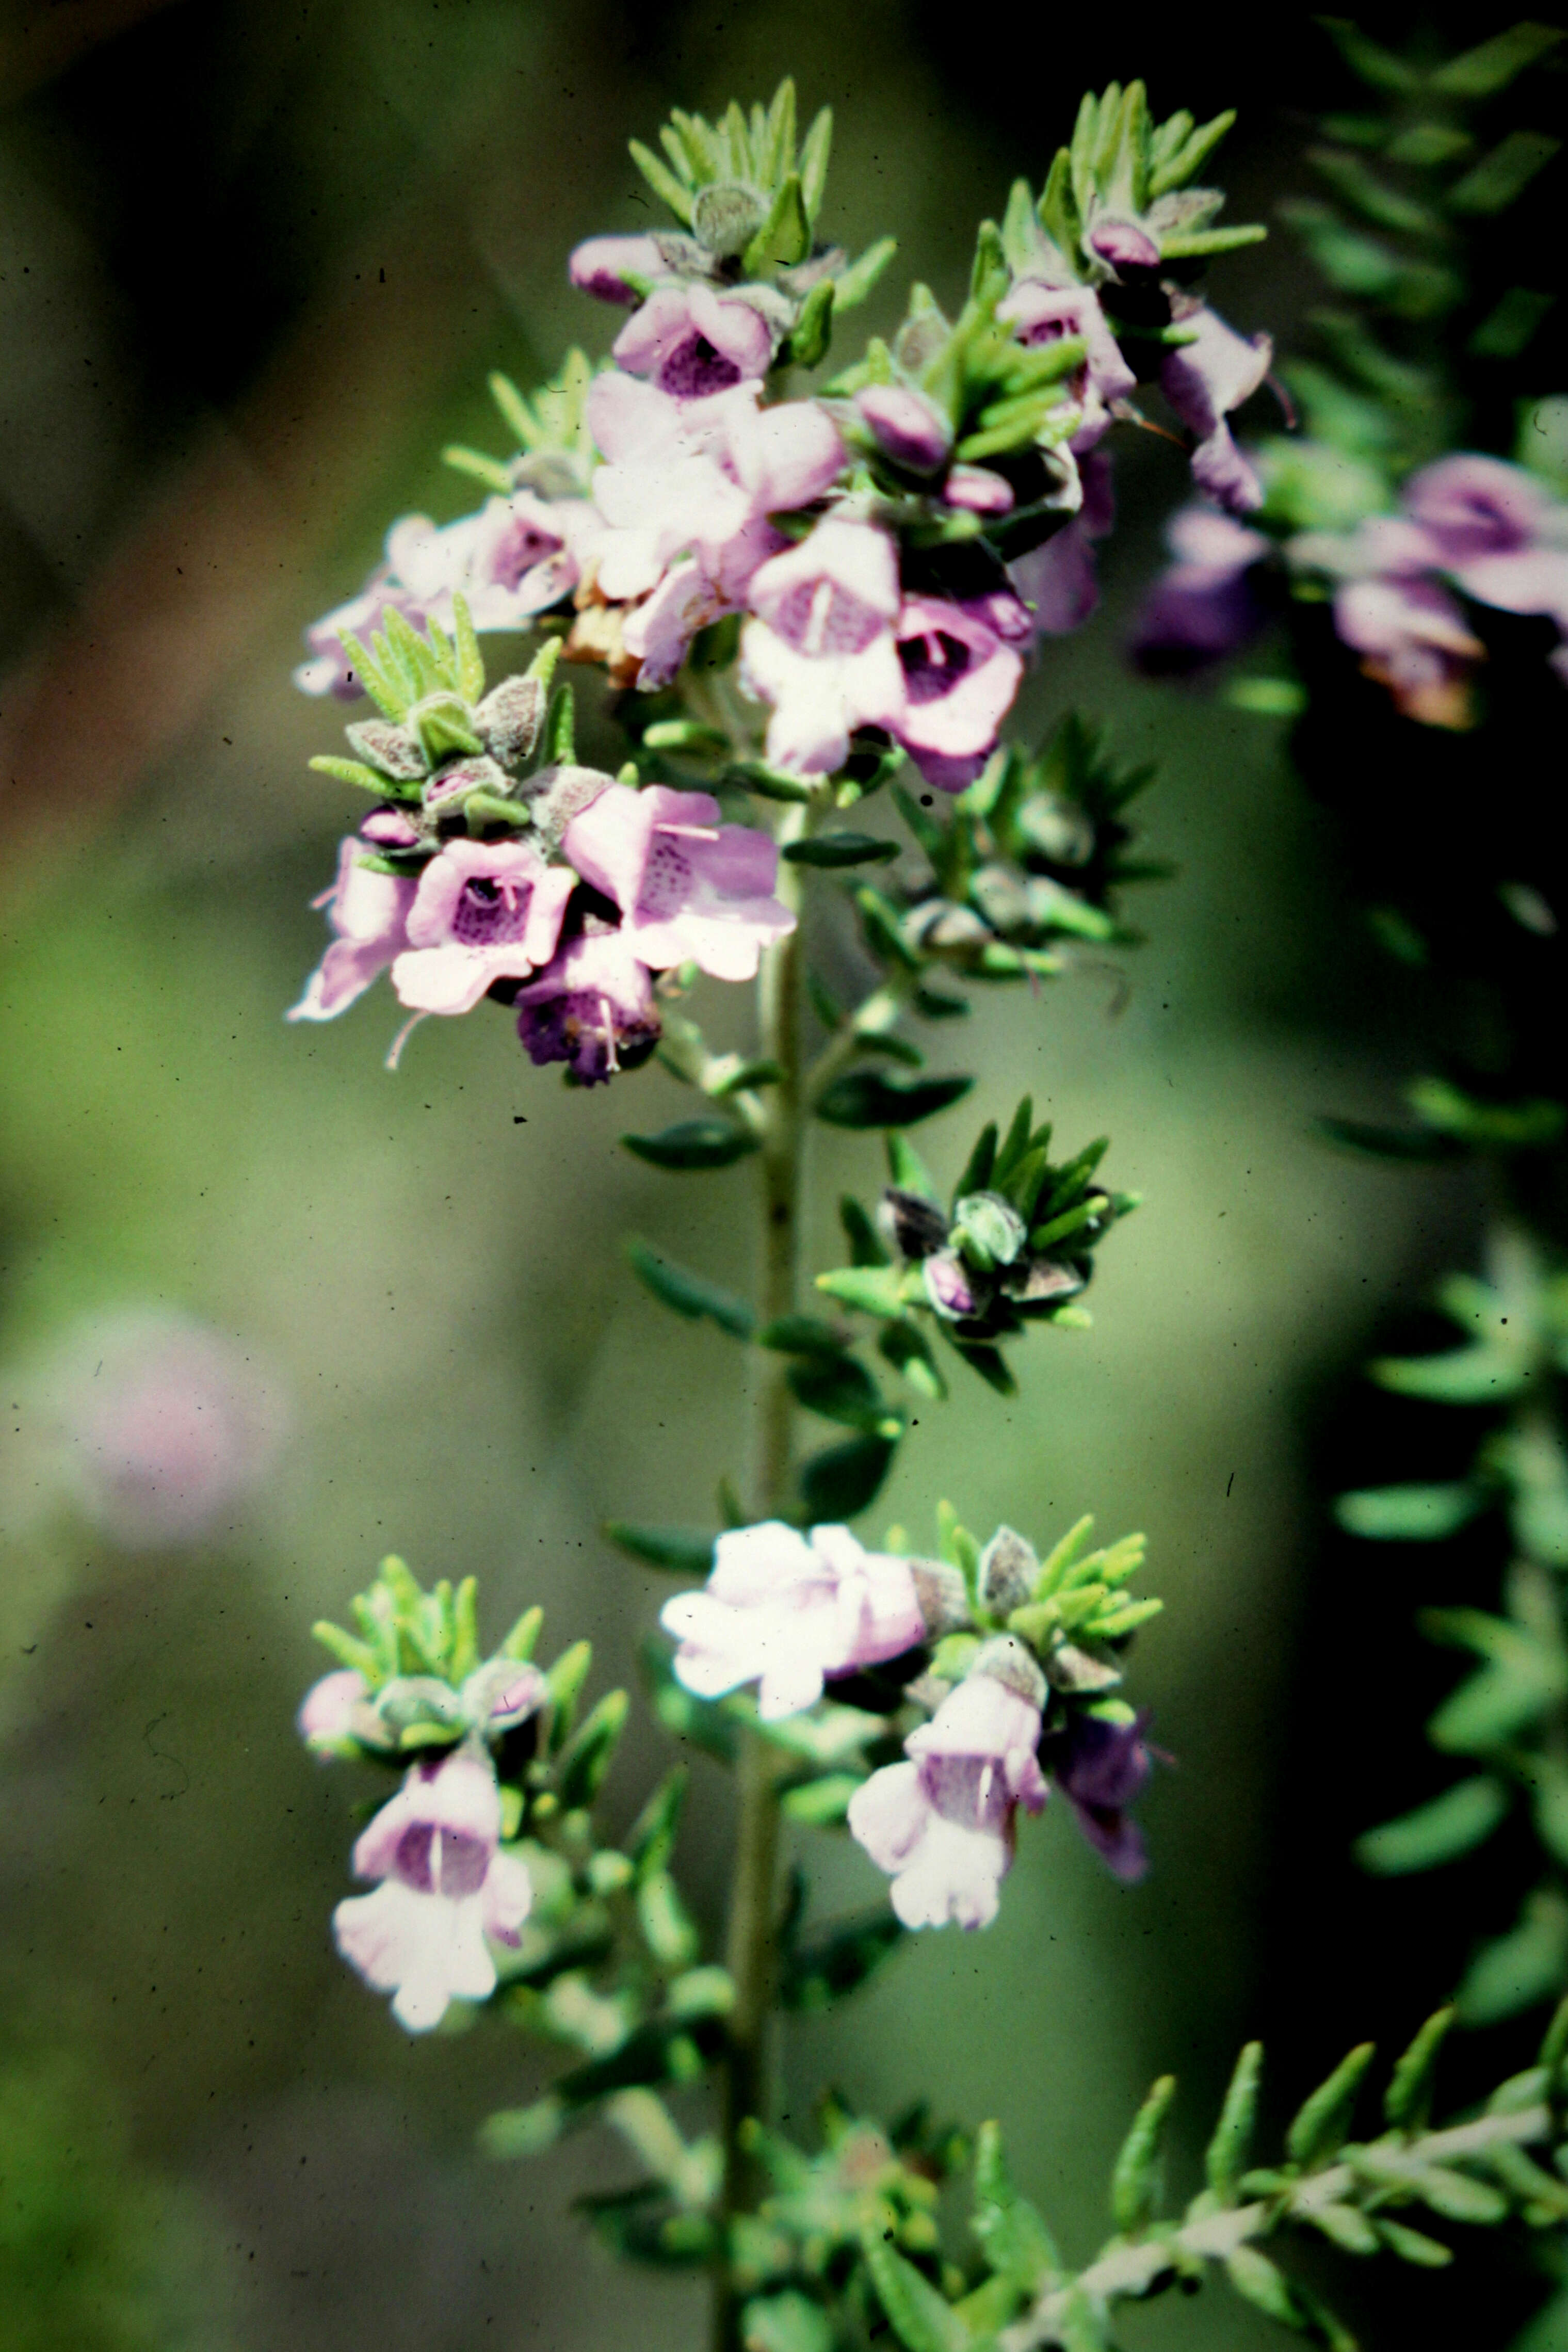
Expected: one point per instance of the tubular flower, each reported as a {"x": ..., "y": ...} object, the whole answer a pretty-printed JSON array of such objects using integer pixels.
[
  {"x": 1057, "y": 579},
  {"x": 690, "y": 890},
  {"x": 1101, "y": 1769},
  {"x": 369, "y": 911},
  {"x": 821, "y": 647},
  {"x": 592, "y": 1007},
  {"x": 606, "y": 265},
  {"x": 1203, "y": 607},
  {"x": 961, "y": 671},
  {"x": 943, "y": 1824},
  {"x": 1041, "y": 313},
  {"x": 445, "y": 1888},
  {"x": 483, "y": 911},
  {"x": 787, "y": 1611},
  {"x": 690, "y": 342},
  {"x": 1204, "y": 381}
]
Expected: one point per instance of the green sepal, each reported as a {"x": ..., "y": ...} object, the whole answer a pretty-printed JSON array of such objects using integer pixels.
[
  {"x": 521, "y": 1642},
  {"x": 806, "y": 344},
  {"x": 784, "y": 237},
  {"x": 866, "y": 1242},
  {"x": 354, "y": 771}
]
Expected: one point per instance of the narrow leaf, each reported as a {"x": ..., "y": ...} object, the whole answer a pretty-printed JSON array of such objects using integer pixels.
[
  {"x": 1322, "y": 2123},
  {"x": 684, "y": 1551},
  {"x": 691, "y": 1295},
  {"x": 1226, "y": 2158},
  {"x": 1135, "y": 2181},
  {"x": 693, "y": 1144}
]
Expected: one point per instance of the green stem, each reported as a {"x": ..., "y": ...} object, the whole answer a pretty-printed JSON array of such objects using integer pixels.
[{"x": 753, "y": 1892}]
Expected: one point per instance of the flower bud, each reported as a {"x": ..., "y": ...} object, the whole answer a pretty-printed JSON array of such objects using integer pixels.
[
  {"x": 1007, "y": 1661},
  {"x": 988, "y": 1230},
  {"x": 395, "y": 751},
  {"x": 907, "y": 427},
  {"x": 1008, "y": 1570},
  {"x": 726, "y": 216},
  {"x": 949, "y": 1287},
  {"x": 509, "y": 720}
]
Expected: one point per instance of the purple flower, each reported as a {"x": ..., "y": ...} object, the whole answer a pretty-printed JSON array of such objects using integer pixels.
[
  {"x": 684, "y": 497},
  {"x": 330, "y": 1708},
  {"x": 604, "y": 266},
  {"x": 821, "y": 648},
  {"x": 690, "y": 890},
  {"x": 1057, "y": 579},
  {"x": 445, "y": 1887},
  {"x": 786, "y": 1611},
  {"x": 1413, "y": 640},
  {"x": 592, "y": 1007},
  {"x": 482, "y": 911},
  {"x": 524, "y": 555},
  {"x": 910, "y": 430},
  {"x": 1496, "y": 532},
  {"x": 1101, "y": 1769},
  {"x": 691, "y": 341},
  {"x": 329, "y": 669},
  {"x": 942, "y": 1825},
  {"x": 1202, "y": 608},
  {"x": 1204, "y": 381},
  {"x": 1040, "y": 314},
  {"x": 978, "y": 491},
  {"x": 158, "y": 1426},
  {"x": 369, "y": 911},
  {"x": 961, "y": 672},
  {"x": 1122, "y": 245}
]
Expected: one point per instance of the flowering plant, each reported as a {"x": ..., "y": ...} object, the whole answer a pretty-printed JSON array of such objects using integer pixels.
[{"x": 792, "y": 598}]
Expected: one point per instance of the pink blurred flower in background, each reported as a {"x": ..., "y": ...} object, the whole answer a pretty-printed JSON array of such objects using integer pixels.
[{"x": 155, "y": 1426}]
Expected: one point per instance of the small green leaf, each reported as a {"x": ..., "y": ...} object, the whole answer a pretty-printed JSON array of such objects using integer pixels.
[
  {"x": 917, "y": 2315},
  {"x": 1501, "y": 177},
  {"x": 843, "y": 1479},
  {"x": 1482, "y": 71},
  {"x": 592, "y": 1751},
  {"x": 354, "y": 771},
  {"x": 650, "y": 1840},
  {"x": 821, "y": 1804},
  {"x": 790, "y": 2322},
  {"x": 663, "y": 181},
  {"x": 806, "y": 343},
  {"x": 1135, "y": 2181},
  {"x": 840, "y": 1388},
  {"x": 873, "y": 1289},
  {"x": 866, "y": 1099},
  {"x": 519, "y": 1643},
  {"x": 1515, "y": 1971},
  {"x": 1413, "y": 2245},
  {"x": 1013, "y": 2238},
  {"x": 841, "y": 850},
  {"x": 693, "y": 1144},
  {"x": 1409, "y": 1514},
  {"x": 1455, "y": 1824},
  {"x": 866, "y": 1242},
  {"x": 667, "y": 1927},
  {"x": 565, "y": 1680},
  {"x": 991, "y": 1364},
  {"x": 1226, "y": 2160},
  {"x": 802, "y": 1335},
  {"x": 854, "y": 284},
  {"x": 691, "y": 1295},
  {"x": 685, "y": 1551},
  {"x": 479, "y": 468},
  {"x": 523, "y": 2131},
  {"x": 838, "y": 1962},
  {"x": 1322, "y": 2123}
]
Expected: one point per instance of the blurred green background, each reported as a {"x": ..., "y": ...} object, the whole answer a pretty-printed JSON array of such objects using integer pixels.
[{"x": 255, "y": 260}]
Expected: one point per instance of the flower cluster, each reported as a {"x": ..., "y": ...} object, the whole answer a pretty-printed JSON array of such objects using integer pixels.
[
  {"x": 1014, "y": 1245},
  {"x": 1012, "y": 1658},
  {"x": 895, "y": 546},
  {"x": 495, "y": 865},
  {"x": 1468, "y": 531}
]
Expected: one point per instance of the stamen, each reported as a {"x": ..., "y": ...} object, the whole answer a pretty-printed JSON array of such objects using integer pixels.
[
  {"x": 608, "y": 1019},
  {"x": 400, "y": 1040},
  {"x": 689, "y": 831}
]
